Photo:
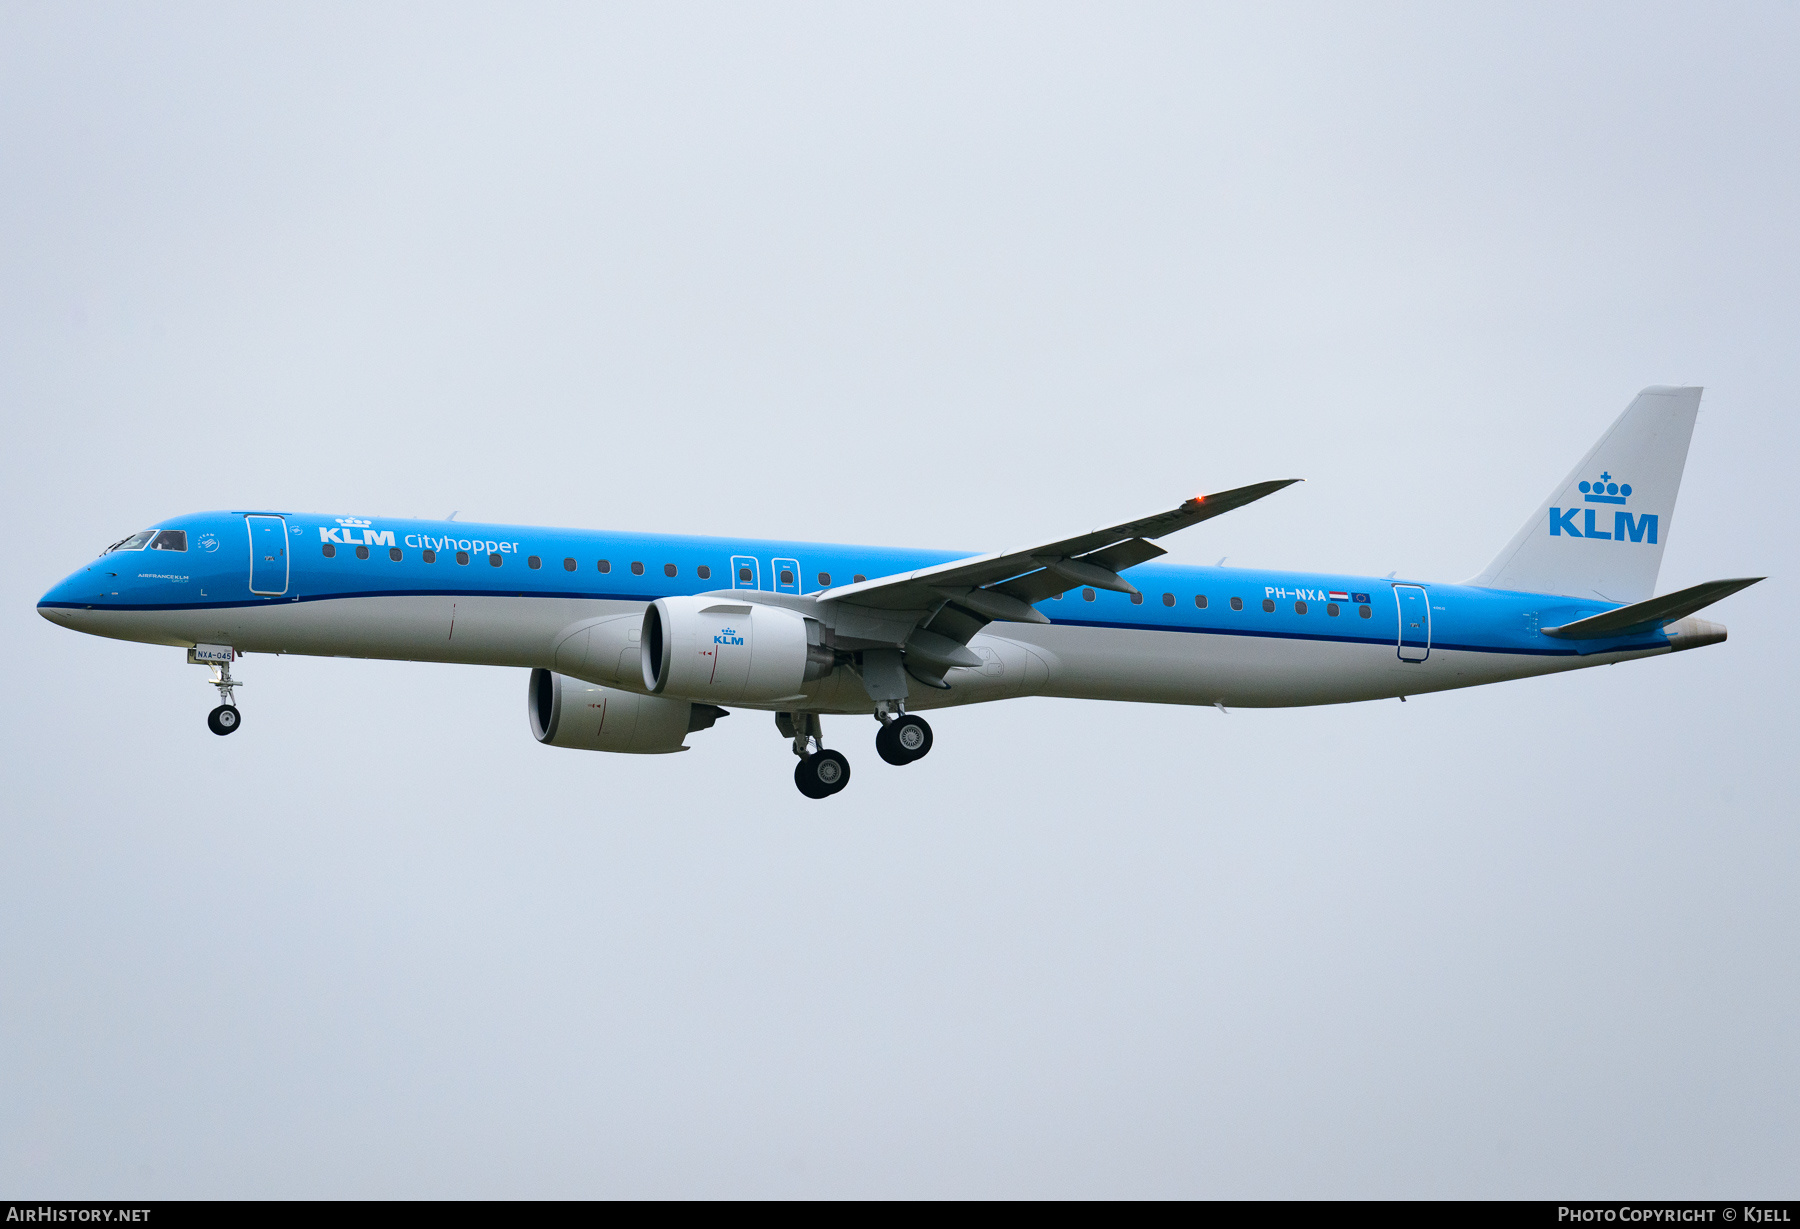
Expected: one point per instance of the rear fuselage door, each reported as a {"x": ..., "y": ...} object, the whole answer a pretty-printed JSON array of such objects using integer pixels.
[
  {"x": 743, "y": 572},
  {"x": 787, "y": 575},
  {"x": 268, "y": 555},
  {"x": 1415, "y": 622}
]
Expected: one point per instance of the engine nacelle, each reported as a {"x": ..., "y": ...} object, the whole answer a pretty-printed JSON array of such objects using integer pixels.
[
  {"x": 730, "y": 652},
  {"x": 567, "y": 712}
]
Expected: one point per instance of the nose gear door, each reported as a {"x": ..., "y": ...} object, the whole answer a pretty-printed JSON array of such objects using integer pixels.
[
  {"x": 1415, "y": 623},
  {"x": 268, "y": 555}
]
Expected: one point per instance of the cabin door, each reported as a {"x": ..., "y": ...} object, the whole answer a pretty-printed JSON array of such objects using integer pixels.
[
  {"x": 1415, "y": 622},
  {"x": 268, "y": 555},
  {"x": 787, "y": 575}
]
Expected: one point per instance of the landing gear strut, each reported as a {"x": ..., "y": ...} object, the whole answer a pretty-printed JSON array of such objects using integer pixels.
[
  {"x": 224, "y": 719},
  {"x": 902, "y": 739},
  {"x": 820, "y": 772}
]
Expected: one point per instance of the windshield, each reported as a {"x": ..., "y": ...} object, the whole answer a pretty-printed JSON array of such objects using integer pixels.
[
  {"x": 170, "y": 539},
  {"x": 134, "y": 542}
]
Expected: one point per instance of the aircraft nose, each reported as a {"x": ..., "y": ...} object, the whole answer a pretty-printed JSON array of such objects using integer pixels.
[{"x": 66, "y": 600}]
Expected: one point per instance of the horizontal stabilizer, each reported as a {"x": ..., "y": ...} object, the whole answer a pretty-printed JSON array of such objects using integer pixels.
[{"x": 1642, "y": 616}]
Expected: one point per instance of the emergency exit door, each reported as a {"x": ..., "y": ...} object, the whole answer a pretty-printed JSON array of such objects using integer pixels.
[
  {"x": 1415, "y": 622},
  {"x": 268, "y": 555}
]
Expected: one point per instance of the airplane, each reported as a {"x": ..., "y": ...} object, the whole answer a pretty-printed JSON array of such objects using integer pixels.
[{"x": 636, "y": 641}]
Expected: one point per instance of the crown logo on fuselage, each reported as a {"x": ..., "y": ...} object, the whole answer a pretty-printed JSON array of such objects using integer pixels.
[
  {"x": 356, "y": 522},
  {"x": 1605, "y": 491}
]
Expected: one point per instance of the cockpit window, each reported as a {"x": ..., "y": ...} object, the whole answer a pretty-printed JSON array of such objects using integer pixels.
[
  {"x": 170, "y": 539},
  {"x": 134, "y": 542}
]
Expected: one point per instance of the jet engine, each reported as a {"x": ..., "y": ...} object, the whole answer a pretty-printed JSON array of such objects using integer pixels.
[
  {"x": 731, "y": 652},
  {"x": 567, "y": 712}
]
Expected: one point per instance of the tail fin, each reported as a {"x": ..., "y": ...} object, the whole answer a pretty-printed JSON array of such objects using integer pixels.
[{"x": 1602, "y": 531}]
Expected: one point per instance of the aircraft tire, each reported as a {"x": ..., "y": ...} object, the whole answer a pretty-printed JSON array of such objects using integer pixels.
[
  {"x": 224, "y": 719},
  {"x": 888, "y": 747},
  {"x": 912, "y": 736},
  {"x": 806, "y": 781},
  {"x": 823, "y": 774}
]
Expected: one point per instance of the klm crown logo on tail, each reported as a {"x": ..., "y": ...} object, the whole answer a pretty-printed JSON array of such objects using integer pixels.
[{"x": 1625, "y": 526}]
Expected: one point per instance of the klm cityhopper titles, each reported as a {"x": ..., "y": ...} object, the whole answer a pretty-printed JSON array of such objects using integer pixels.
[{"x": 635, "y": 641}]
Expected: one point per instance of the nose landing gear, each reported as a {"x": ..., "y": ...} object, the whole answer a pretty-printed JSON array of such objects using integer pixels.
[{"x": 224, "y": 719}]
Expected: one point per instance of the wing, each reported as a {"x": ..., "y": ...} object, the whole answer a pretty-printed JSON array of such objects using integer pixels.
[
  {"x": 1095, "y": 558},
  {"x": 934, "y": 611}
]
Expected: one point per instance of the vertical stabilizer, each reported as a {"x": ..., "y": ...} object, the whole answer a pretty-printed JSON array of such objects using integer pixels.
[{"x": 1602, "y": 531}]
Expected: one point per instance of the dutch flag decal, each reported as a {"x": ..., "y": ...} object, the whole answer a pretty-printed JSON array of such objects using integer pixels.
[{"x": 1335, "y": 596}]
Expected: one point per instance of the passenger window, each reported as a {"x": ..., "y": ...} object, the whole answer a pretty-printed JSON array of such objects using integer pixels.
[
  {"x": 394, "y": 554},
  {"x": 859, "y": 578},
  {"x": 1137, "y": 599},
  {"x": 170, "y": 539},
  {"x": 328, "y": 550},
  {"x": 1363, "y": 611},
  {"x": 637, "y": 569},
  {"x": 568, "y": 565},
  {"x": 1299, "y": 607},
  {"x": 605, "y": 565},
  {"x": 744, "y": 576},
  {"x": 824, "y": 580},
  {"x": 703, "y": 572},
  {"x": 787, "y": 577},
  {"x": 1237, "y": 603},
  {"x": 494, "y": 559},
  {"x": 1200, "y": 601},
  {"x": 668, "y": 569},
  {"x": 1268, "y": 605},
  {"x": 462, "y": 557},
  {"x": 429, "y": 556},
  {"x": 362, "y": 552},
  {"x": 1331, "y": 608},
  {"x": 1168, "y": 599},
  {"x": 533, "y": 562},
  {"x": 1056, "y": 596},
  {"x": 1087, "y": 595}
]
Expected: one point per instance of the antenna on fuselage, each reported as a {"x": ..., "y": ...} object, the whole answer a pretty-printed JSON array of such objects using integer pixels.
[{"x": 451, "y": 517}]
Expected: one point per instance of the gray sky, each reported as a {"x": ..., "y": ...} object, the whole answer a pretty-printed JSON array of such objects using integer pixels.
[{"x": 948, "y": 276}]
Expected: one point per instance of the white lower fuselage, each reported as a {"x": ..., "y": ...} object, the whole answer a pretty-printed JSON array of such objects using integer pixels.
[{"x": 598, "y": 640}]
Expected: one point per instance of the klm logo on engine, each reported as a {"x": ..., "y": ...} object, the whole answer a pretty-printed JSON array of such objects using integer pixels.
[
  {"x": 728, "y": 635},
  {"x": 354, "y": 532},
  {"x": 1625, "y": 526}
]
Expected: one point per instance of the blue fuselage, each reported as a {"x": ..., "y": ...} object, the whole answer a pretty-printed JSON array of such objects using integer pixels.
[{"x": 235, "y": 564}]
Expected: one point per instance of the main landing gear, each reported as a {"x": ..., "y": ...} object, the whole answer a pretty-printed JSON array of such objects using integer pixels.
[
  {"x": 902, "y": 739},
  {"x": 820, "y": 772}
]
